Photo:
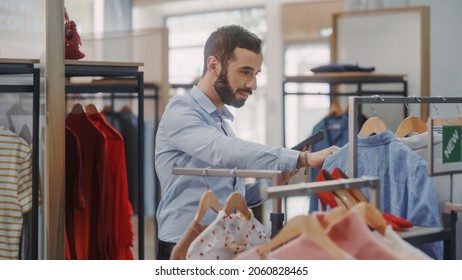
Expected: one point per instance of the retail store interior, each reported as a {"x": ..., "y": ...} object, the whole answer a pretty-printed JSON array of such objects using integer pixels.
[{"x": 136, "y": 55}]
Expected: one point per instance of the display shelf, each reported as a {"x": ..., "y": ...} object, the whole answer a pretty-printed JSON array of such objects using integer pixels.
[
  {"x": 133, "y": 82},
  {"x": 335, "y": 79}
]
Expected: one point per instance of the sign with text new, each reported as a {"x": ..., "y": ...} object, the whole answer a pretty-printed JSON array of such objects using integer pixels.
[{"x": 452, "y": 150}]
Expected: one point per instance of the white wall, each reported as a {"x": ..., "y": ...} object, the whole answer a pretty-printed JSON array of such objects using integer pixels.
[
  {"x": 445, "y": 71},
  {"x": 445, "y": 46}
]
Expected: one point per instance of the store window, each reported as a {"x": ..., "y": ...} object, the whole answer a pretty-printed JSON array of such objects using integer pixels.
[
  {"x": 303, "y": 112},
  {"x": 187, "y": 36}
]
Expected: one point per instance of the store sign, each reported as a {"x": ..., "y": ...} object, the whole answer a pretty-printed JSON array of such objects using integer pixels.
[{"x": 452, "y": 150}]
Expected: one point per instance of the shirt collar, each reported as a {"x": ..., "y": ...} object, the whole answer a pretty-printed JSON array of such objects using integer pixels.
[
  {"x": 377, "y": 139},
  {"x": 206, "y": 104}
]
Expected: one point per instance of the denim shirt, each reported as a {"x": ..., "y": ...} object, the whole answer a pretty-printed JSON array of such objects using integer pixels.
[
  {"x": 406, "y": 190},
  {"x": 191, "y": 135}
]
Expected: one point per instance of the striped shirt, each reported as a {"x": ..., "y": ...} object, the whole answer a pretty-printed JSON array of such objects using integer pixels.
[{"x": 15, "y": 190}]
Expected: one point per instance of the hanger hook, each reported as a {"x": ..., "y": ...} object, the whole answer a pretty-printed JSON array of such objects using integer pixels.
[
  {"x": 378, "y": 97},
  {"x": 346, "y": 184},
  {"x": 408, "y": 109},
  {"x": 233, "y": 171},
  {"x": 373, "y": 111},
  {"x": 436, "y": 109},
  {"x": 204, "y": 174},
  {"x": 415, "y": 98},
  {"x": 458, "y": 109}
]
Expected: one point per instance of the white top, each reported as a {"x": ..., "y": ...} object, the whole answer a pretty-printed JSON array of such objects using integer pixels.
[
  {"x": 15, "y": 190},
  {"x": 399, "y": 246},
  {"x": 227, "y": 236}
]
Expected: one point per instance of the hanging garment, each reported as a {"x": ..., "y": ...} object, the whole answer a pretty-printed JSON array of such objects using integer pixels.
[
  {"x": 301, "y": 248},
  {"x": 181, "y": 247},
  {"x": 405, "y": 190},
  {"x": 94, "y": 181},
  {"x": 226, "y": 237},
  {"x": 19, "y": 121},
  {"x": 117, "y": 230},
  {"x": 351, "y": 233},
  {"x": 249, "y": 254},
  {"x": 15, "y": 190},
  {"x": 126, "y": 123},
  {"x": 341, "y": 67},
  {"x": 399, "y": 246},
  {"x": 419, "y": 144},
  {"x": 74, "y": 189}
]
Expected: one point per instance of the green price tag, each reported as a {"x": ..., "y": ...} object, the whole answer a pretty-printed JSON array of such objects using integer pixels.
[{"x": 452, "y": 151}]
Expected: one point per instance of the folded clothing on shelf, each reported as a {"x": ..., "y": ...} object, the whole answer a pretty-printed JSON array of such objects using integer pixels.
[{"x": 340, "y": 67}]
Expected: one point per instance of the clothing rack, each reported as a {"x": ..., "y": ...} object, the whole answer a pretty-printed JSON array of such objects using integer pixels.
[
  {"x": 355, "y": 102},
  {"x": 26, "y": 67},
  {"x": 448, "y": 232},
  {"x": 305, "y": 189},
  {"x": 276, "y": 218},
  {"x": 335, "y": 79},
  {"x": 121, "y": 71}
]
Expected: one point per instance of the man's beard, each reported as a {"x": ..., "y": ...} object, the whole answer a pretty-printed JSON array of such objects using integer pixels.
[{"x": 226, "y": 93}]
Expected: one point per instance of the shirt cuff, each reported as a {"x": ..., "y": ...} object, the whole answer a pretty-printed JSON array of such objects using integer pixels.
[{"x": 288, "y": 159}]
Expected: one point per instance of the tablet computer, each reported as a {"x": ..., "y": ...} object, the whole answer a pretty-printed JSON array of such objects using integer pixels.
[{"x": 313, "y": 139}]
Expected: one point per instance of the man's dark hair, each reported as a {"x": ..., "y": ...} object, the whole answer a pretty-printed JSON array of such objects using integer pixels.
[{"x": 222, "y": 42}]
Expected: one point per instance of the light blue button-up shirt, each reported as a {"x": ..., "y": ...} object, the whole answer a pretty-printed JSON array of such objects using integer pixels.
[
  {"x": 190, "y": 135},
  {"x": 405, "y": 190}
]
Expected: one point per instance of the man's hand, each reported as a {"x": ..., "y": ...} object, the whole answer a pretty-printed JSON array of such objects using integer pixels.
[{"x": 315, "y": 159}]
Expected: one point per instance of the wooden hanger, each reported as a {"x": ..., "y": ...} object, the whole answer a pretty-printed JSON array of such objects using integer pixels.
[
  {"x": 107, "y": 110},
  {"x": 456, "y": 120},
  {"x": 343, "y": 196},
  {"x": 77, "y": 109},
  {"x": 236, "y": 201},
  {"x": 303, "y": 224},
  {"x": 373, "y": 125},
  {"x": 438, "y": 121},
  {"x": 91, "y": 109},
  {"x": 208, "y": 201},
  {"x": 356, "y": 193},
  {"x": 372, "y": 216},
  {"x": 125, "y": 109},
  {"x": 334, "y": 110},
  {"x": 409, "y": 125},
  {"x": 348, "y": 200}
]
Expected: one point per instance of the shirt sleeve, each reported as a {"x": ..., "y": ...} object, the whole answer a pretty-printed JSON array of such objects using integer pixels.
[
  {"x": 192, "y": 133},
  {"x": 252, "y": 192}
]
